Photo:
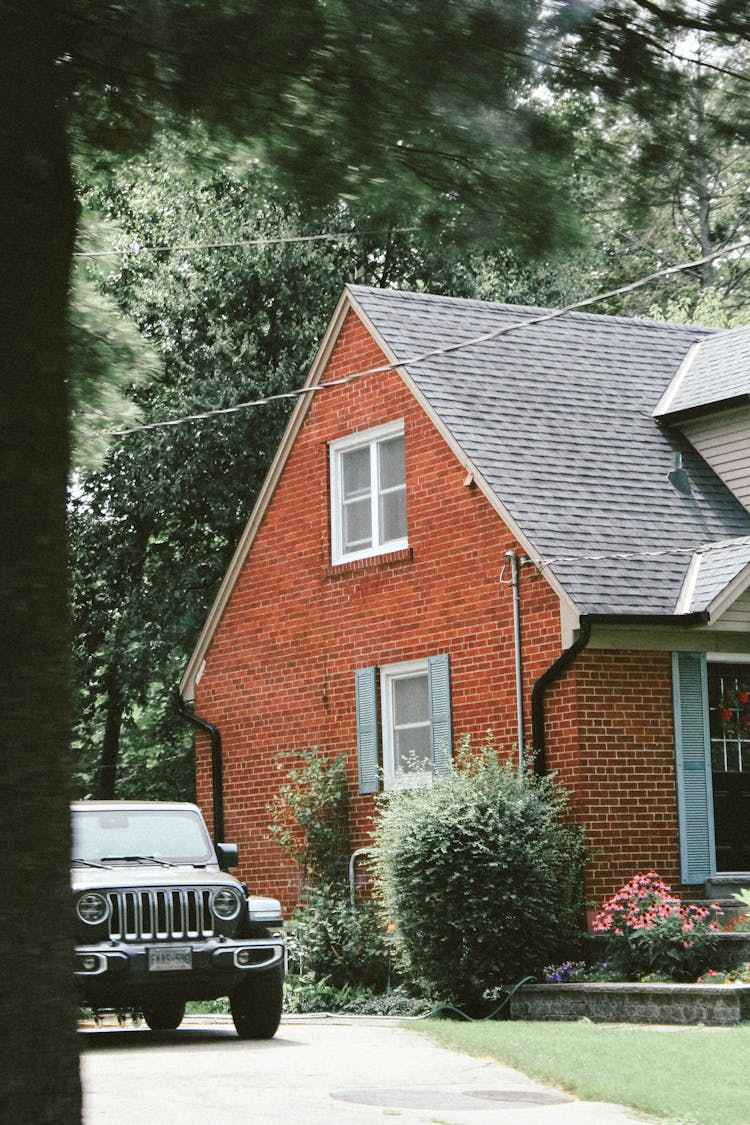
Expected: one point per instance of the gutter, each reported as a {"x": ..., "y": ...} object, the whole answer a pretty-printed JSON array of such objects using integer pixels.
[
  {"x": 564, "y": 661},
  {"x": 217, "y": 765},
  {"x": 540, "y": 687}
]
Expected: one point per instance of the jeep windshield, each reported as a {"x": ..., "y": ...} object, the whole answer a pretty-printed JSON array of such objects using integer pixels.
[{"x": 159, "y": 836}]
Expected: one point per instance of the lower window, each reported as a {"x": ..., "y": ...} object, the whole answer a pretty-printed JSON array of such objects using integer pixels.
[
  {"x": 403, "y": 723},
  {"x": 407, "y": 725}
]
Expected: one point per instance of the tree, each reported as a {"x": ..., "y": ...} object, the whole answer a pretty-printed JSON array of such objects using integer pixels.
[
  {"x": 295, "y": 79},
  {"x": 404, "y": 101},
  {"x": 153, "y": 526},
  {"x": 40, "y": 1075},
  {"x": 666, "y": 187}
]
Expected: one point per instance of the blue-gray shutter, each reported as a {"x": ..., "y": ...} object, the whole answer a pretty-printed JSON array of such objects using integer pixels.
[
  {"x": 439, "y": 680},
  {"x": 693, "y": 748},
  {"x": 365, "y": 682}
]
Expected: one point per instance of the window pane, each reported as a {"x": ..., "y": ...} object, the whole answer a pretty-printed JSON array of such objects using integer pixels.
[
  {"x": 411, "y": 702},
  {"x": 412, "y": 749},
  {"x": 355, "y": 472},
  {"x": 393, "y": 516},
  {"x": 357, "y": 516},
  {"x": 391, "y": 462}
]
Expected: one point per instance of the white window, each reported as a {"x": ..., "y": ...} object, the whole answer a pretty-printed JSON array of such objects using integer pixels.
[
  {"x": 368, "y": 493},
  {"x": 407, "y": 724}
]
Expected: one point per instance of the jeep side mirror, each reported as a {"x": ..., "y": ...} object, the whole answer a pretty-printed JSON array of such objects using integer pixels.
[{"x": 228, "y": 856}]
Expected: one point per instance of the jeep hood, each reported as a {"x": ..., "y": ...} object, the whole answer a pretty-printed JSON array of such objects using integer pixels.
[{"x": 143, "y": 875}]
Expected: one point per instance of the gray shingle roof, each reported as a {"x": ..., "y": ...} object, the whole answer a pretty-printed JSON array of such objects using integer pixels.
[
  {"x": 716, "y": 566},
  {"x": 557, "y": 417},
  {"x": 718, "y": 370}
]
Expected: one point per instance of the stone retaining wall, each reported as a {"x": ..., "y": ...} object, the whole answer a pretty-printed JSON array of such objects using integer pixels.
[{"x": 717, "y": 1005}]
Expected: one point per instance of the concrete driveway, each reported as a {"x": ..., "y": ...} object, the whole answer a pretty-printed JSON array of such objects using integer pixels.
[{"x": 355, "y": 1072}]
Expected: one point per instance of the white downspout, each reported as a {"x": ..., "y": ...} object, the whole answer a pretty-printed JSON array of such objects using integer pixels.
[{"x": 511, "y": 558}]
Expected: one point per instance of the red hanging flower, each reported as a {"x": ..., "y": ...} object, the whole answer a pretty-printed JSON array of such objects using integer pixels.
[
  {"x": 726, "y": 715},
  {"x": 744, "y": 698}
]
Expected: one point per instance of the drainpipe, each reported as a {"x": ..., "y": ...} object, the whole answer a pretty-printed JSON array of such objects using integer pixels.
[
  {"x": 217, "y": 778},
  {"x": 540, "y": 687},
  {"x": 510, "y": 557}
]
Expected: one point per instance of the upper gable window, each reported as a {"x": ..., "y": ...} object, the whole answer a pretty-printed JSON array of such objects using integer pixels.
[{"x": 368, "y": 493}]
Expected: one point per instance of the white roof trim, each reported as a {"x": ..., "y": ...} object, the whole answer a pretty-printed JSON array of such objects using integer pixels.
[
  {"x": 665, "y": 402},
  {"x": 685, "y": 599},
  {"x": 195, "y": 665},
  {"x": 728, "y": 596},
  {"x": 346, "y": 303}
]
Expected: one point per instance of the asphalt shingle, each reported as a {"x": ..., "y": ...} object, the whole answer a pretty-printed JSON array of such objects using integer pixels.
[
  {"x": 717, "y": 371},
  {"x": 557, "y": 417}
]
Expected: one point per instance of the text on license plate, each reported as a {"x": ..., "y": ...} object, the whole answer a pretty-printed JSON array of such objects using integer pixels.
[{"x": 164, "y": 960}]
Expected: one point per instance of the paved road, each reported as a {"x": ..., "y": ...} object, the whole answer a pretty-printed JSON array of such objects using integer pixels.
[{"x": 332, "y": 1071}]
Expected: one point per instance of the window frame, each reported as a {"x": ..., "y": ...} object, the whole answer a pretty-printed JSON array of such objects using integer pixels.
[
  {"x": 394, "y": 778},
  {"x": 371, "y": 439}
]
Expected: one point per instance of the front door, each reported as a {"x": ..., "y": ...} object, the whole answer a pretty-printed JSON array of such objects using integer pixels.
[{"x": 729, "y": 715}]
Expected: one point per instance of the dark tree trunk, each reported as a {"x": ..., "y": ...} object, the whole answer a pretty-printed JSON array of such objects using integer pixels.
[
  {"x": 39, "y": 1065},
  {"x": 106, "y": 781}
]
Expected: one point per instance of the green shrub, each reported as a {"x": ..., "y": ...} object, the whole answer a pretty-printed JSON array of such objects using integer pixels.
[
  {"x": 481, "y": 876},
  {"x": 337, "y": 942},
  {"x": 309, "y": 816}
]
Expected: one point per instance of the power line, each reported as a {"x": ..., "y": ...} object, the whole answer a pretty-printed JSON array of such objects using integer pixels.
[
  {"x": 447, "y": 349},
  {"x": 281, "y": 240},
  {"x": 698, "y": 548}
]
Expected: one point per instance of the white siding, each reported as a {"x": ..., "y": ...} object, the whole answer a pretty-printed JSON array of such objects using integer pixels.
[
  {"x": 735, "y": 619},
  {"x": 724, "y": 441}
]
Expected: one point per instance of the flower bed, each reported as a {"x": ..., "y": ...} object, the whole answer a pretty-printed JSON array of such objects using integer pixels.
[{"x": 616, "y": 1002}]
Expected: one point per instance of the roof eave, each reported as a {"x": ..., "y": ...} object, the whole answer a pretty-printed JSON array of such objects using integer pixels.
[
  {"x": 687, "y": 620},
  {"x": 705, "y": 409}
]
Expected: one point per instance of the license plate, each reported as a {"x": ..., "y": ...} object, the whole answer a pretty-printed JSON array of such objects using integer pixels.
[{"x": 167, "y": 960}]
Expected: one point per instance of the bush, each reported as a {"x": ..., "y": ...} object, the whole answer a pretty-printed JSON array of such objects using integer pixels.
[
  {"x": 342, "y": 944},
  {"x": 481, "y": 877},
  {"x": 309, "y": 815},
  {"x": 651, "y": 932}
]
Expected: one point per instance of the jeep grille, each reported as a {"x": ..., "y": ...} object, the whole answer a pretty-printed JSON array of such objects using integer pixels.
[{"x": 143, "y": 915}]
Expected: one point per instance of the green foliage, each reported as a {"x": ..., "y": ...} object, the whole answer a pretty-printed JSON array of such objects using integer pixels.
[
  {"x": 307, "y": 993},
  {"x": 650, "y": 932},
  {"x": 481, "y": 876},
  {"x": 309, "y": 816},
  {"x": 333, "y": 941},
  {"x": 333, "y": 945}
]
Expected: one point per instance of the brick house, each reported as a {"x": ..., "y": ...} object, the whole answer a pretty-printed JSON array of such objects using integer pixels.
[{"x": 544, "y": 533}]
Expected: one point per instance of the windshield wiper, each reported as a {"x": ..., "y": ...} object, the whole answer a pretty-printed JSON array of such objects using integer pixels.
[
  {"x": 88, "y": 862},
  {"x": 137, "y": 859}
]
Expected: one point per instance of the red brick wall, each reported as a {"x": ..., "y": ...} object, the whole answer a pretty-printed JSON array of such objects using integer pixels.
[
  {"x": 610, "y": 734},
  {"x": 280, "y": 672}
]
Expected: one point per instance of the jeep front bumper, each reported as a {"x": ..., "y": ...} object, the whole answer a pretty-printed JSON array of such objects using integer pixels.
[{"x": 119, "y": 973}]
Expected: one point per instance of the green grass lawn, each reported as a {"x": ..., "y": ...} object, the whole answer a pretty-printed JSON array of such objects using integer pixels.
[{"x": 696, "y": 1074}]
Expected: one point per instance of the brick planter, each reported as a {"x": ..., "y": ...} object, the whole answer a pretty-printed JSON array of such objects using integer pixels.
[{"x": 712, "y": 1004}]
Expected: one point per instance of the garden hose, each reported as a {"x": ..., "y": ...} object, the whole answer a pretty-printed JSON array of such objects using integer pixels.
[
  {"x": 465, "y": 1015},
  {"x": 433, "y": 1013}
]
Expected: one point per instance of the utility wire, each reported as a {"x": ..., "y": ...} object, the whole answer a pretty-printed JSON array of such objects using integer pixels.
[
  {"x": 698, "y": 548},
  {"x": 281, "y": 240},
  {"x": 447, "y": 349}
]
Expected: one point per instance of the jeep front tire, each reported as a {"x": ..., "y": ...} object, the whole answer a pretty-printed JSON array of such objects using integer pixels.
[{"x": 256, "y": 1004}]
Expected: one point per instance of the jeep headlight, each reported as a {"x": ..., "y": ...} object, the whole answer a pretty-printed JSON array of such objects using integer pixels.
[
  {"x": 226, "y": 904},
  {"x": 92, "y": 908}
]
